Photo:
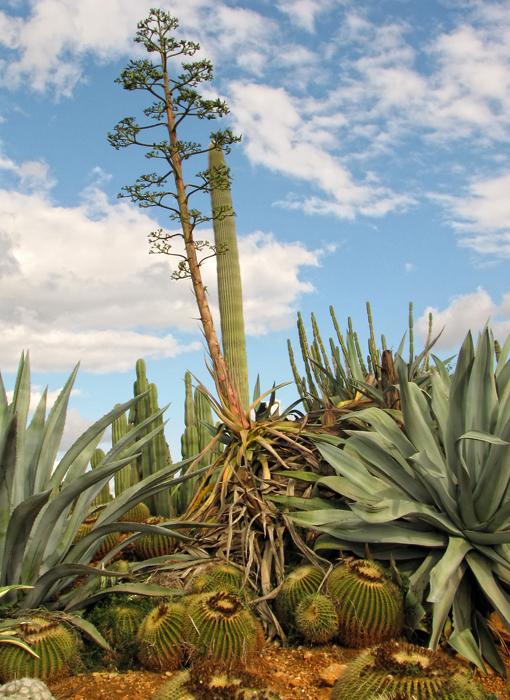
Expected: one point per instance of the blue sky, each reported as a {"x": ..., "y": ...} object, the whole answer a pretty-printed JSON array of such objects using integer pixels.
[{"x": 374, "y": 166}]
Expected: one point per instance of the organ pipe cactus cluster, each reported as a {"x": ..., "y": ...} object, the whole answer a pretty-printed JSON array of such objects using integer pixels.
[
  {"x": 155, "y": 456},
  {"x": 230, "y": 295},
  {"x": 347, "y": 377},
  {"x": 104, "y": 496}
]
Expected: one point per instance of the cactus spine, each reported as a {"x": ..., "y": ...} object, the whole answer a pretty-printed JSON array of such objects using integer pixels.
[
  {"x": 316, "y": 619},
  {"x": 54, "y": 644},
  {"x": 300, "y": 583},
  {"x": 229, "y": 278},
  {"x": 160, "y": 638},
  {"x": 217, "y": 625},
  {"x": 370, "y": 607},
  {"x": 404, "y": 671}
]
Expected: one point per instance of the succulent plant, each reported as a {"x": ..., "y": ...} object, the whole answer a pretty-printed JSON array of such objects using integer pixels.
[
  {"x": 429, "y": 486},
  {"x": 297, "y": 585},
  {"x": 204, "y": 583},
  {"x": 120, "y": 624},
  {"x": 26, "y": 689},
  {"x": 393, "y": 670},
  {"x": 160, "y": 638},
  {"x": 111, "y": 540},
  {"x": 137, "y": 514},
  {"x": 204, "y": 681},
  {"x": 217, "y": 625},
  {"x": 370, "y": 606},
  {"x": 227, "y": 574},
  {"x": 50, "y": 640},
  {"x": 154, "y": 545},
  {"x": 316, "y": 619}
]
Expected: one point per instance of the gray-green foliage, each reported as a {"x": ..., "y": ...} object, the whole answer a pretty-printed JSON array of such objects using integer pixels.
[
  {"x": 434, "y": 495},
  {"x": 38, "y": 521},
  {"x": 347, "y": 374}
]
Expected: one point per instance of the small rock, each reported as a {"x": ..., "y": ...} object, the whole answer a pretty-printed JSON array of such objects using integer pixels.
[
  {"x": 331, "y": 673},
  {"x": 296, "y": 682},
  {"x": 281, "y": 676},
  {"x": 307, "y": 655}
]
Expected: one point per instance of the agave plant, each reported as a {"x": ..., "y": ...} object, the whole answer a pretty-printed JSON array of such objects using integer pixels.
[
  {"x": 38, "y": 521},
  {"x": 435, "y": 495}
]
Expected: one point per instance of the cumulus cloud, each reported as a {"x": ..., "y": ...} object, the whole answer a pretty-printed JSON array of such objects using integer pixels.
[
  {"x": 79, "y": 283},
  {"x": 304, "y": 12},
  {"x": 280, "y": 135},
  {"x": 466, "y": 312},
  {"x": 50, "y": 45},
  {"x": 482, "y": 217}
]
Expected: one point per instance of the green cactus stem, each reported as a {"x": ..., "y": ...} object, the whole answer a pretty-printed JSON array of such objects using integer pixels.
[
  {"x": 189, "y": 439},
  {"x": 316, "y": 619},
  {"x": 160, "y": 638},
  {"x": 370, "y": 606},
  {"x": 26, "y": 689},
  {"x": 104, "y": 495},
  {"x": 124, "y": 478},
  {"x": 50, "y": 640},
  {"x": 230, "y": 294},
  {"x": 298, "y": 584},
  {"x": 136, "y": 514},
  {"x": 154, "y": 545},
  {"x": 120, "y": 624},
  {"x": 218, "y": 626},
  {"x": 400, "y": 670}
]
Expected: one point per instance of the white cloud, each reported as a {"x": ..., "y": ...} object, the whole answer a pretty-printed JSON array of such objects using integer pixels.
[
  {"x": 280, "y": 135},
  {"x": 304, "y": 12},
  {"x": 482, "y": 217},
  {"x": 78, "y": 283},
  {"x": 51, "y": 44},
  {"x": 466, "y": 312}
]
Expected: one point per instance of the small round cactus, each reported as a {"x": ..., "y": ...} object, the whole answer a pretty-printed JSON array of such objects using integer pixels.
[
  {"x": 153, "y": 545},
  {"x": 120, "y": 624},
  {"x": 218, "y": 625},
  {"x": 393, "y": 670},
  {"x": 160, "y": 637},
  {"x": 54, "y": 644},
  {"x": 227, "y": 575},
  {"x": 370, "y": 607},
  {"x": 26, "y": 689},
  {"x": 316, "y": 619},
  {"x": 301, "y": 582}
]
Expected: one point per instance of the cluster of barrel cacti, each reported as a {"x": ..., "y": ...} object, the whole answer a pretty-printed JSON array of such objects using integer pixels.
[
  {"x": 213, "y": 624},
  {"x": 357, "y": 603}
]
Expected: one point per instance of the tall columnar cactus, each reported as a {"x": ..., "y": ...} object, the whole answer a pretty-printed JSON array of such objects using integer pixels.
[
  {"x": 127, "y": 476},
  {"x": 189, "y": 439},
  {"x": 370, "y": 606},
  {"x": 104, "y": 496},
  {"x": 155, "y": 455},
  {"x": 52, "y": 642},
  {"x": 405, "y": 671},
  {"x": 229, "y": 279}
]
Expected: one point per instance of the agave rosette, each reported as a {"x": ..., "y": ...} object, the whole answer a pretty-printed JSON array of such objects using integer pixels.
[{"x": 435, "y": 496}]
